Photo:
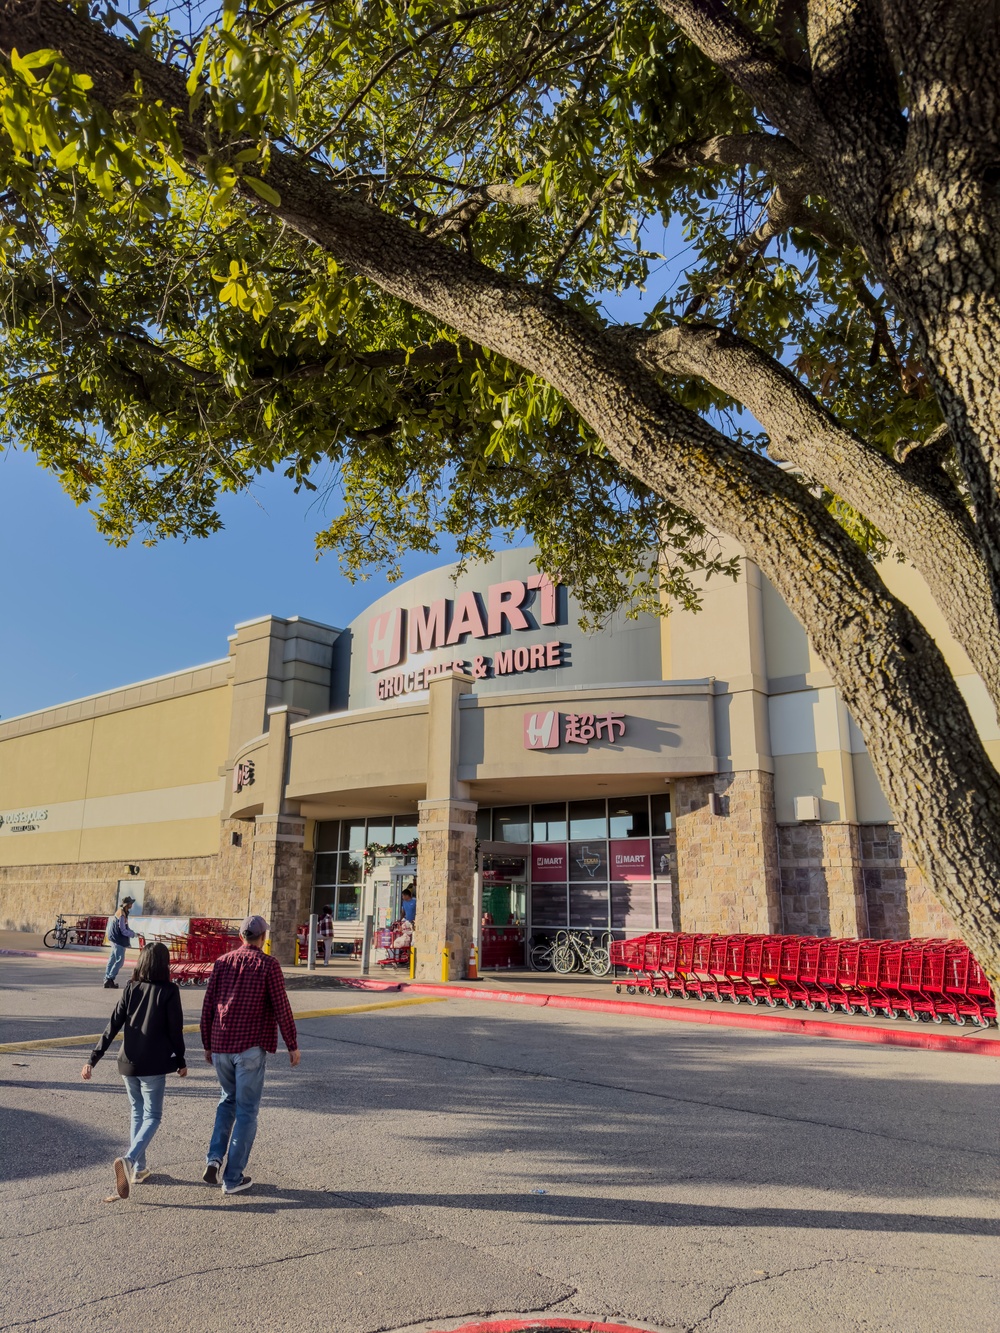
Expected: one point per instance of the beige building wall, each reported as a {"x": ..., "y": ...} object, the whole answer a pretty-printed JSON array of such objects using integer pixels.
[{"x": 127, "y": 777}]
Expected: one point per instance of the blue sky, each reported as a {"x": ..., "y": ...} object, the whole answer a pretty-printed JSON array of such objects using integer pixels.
[{"x": 81, "y": 616}]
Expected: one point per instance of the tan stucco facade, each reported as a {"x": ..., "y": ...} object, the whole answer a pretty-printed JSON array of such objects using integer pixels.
[{"x": 214, "y": 785}]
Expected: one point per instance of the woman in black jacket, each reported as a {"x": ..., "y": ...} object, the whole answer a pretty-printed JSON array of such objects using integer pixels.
[{"x": 150, "y": 1012}]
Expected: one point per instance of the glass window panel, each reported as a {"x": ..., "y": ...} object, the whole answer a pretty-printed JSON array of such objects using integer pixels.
[
  {"x": 327, "y": 835},
  {"x": 548, "y": 905},
  {"x": 510, "y": 824},
  {"x": 326, "y": 868},
  {"x": 348, "y": 903},
  {"x": 484, "y": 825},
  {"x": 632, "y": 907},
  {"x": 548, "y": 822},
  {"x": 496, "y": 904},
  {"x": 588, "y": 861},
  {"x": 588, "y": 905},
  {"x": 665, "y": 917},
  {"x": 350, "y": 869},
  {"x": 588, "y": 819},
  {"x": 628, "y": 817},
  {"x": 352, "y": 835},
  {"x": 405, "y": 828},
  {"x": 663, "y": 857},
  {"x": 379, "y": 830},
  {"x": 662, "y": 820}
]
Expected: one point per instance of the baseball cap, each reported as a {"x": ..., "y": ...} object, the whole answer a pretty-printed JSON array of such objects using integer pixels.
[{"x": 254, "y": 925}]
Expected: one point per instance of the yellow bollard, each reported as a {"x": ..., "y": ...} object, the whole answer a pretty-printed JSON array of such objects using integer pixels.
[
  {"x": 413, "y": 962},
  {"x": 445, "y": 955},
  {"x": 296, "y": 950}
]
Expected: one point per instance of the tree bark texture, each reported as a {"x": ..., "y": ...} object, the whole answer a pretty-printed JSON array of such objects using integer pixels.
[
  {"x": 927, "y": 524},
  {"x": 923, "y": 745},
  {"x": 920, "y": 192}
]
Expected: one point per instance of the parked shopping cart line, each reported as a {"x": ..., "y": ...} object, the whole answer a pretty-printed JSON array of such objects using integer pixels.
[{"x": 922, "y": 980}]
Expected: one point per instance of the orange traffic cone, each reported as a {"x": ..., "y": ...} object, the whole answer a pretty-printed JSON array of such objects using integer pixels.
[{"x": 473, "y": 973}]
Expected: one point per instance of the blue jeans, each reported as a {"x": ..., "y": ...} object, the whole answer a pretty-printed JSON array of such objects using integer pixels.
[
  {"x": 145, "y": 1096},
  {"x": 114, "y": 962},
  {"x": 241, "y": 1078}
]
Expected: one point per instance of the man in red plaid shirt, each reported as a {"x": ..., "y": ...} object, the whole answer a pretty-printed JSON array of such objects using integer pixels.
[{"x": 244, "y": 1006}]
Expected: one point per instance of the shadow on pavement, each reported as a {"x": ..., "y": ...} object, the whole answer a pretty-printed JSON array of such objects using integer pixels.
[
  {"x": 572, "y": 1209},
  {"x": 34, "y": 1144}
]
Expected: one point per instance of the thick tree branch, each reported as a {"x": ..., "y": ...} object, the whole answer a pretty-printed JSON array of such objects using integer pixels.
[
  {"x": 775, "y": 85},
  {"x": 923, "y": 521}
]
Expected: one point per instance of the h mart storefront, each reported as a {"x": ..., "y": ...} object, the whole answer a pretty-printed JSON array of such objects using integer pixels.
[{"x": 698, "y": 772}]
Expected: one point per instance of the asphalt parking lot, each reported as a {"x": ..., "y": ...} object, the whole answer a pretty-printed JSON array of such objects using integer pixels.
[{"x": 429, "y": 1162}]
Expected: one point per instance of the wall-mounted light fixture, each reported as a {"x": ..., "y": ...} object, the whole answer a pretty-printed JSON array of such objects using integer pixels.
[
  {"x": 134, "y": 870},
  {"x": 714, "y": 803},
  {"x": 236, "y": 839}
]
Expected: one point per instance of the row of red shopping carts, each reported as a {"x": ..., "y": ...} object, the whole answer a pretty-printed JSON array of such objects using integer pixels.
[
  {"x": 193, "y": 955},
  {"x": 921, "y": 980}
]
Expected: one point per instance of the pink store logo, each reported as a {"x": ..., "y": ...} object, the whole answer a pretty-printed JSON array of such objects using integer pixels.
[
  {"x": 385, "y": 640},
  {"x": 544, "y": 731}
]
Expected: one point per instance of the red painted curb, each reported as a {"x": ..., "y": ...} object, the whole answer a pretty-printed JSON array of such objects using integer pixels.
[
  {"x": 102, "y": 958},
  {"x": 805, "y": 1027},
  {"x": 513, "y": 1325}
]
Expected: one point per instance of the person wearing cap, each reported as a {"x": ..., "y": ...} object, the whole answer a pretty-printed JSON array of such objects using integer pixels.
[
  {"x": 245, "y": 1005},
  {"x": 119, "y": 935}
]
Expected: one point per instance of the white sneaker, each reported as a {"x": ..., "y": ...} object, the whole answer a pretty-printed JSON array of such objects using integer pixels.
[{"x": 138, "y": 1176}]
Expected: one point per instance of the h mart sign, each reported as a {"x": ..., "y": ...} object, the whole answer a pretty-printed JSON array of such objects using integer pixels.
[
  {"x": 545, "y": 731},
  {"x": 471, "y": 615}
]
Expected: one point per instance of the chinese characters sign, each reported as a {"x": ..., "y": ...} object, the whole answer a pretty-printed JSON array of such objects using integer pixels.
[{"x": 545, "y": 731}]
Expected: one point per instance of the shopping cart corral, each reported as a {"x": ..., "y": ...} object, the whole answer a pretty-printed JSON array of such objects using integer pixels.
[
  {"x": 192, "y": 956},
  {"x": 922, "y": 980}
]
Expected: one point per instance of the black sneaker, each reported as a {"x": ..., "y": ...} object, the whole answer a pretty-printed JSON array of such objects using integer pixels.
[
  {"x": 210, "y": 1175},
  {"x": 242, "y": 1184}
]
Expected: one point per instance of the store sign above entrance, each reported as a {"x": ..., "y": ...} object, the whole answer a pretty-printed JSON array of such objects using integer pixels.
[
  {"x": 546, "y": 731},
  {"x": 512, "y": 606}
]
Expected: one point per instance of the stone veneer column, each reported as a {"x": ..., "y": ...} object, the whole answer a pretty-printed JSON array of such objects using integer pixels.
[
  {"x": 279, "y": 878},
  {"x": 822, "y": 885},
  {"x": 445, "y": 882},
  {"x": 727, "y": 864},
  {"x": 279, "y": 881},
  {"x": 900, "y": 905},
  {"x": 446, "y": 859}
]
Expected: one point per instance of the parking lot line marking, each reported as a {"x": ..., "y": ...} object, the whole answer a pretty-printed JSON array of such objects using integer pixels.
[{"x": 12, "y": 1047}]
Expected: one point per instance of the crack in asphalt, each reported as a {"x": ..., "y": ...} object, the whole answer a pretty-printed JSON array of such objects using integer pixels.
[
  {"x": 659, "y": 1096},
  {"x": 759, "y": 1281}
]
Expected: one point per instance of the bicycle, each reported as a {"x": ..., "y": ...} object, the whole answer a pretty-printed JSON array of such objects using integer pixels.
[
  {"x": 60, "y": 935},
  {"x": 540, "y": 953},
  {"x": 575, "y": 949}
]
